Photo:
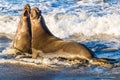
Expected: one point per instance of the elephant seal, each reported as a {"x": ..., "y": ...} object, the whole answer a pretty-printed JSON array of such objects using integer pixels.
[
  {"x": 44, "y": 41},
  {"x": 45, "y": 44},
  {"x": 22, "y": 39}
]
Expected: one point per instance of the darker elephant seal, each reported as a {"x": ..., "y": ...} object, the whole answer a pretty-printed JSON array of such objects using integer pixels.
[{"x": 22, "y": 39}]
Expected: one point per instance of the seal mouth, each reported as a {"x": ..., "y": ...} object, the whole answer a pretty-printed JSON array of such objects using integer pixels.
[
  {"x": 26, "y": 10},
  {"x": 26, "y": 13}
]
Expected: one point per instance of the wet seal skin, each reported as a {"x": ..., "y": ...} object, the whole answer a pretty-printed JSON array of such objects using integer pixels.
[
  {"x": 33, "y": 36},
  {"x": 22, "y": 39},
  {"x": 45, "y": 44},
  {"x": 43, "y": 41}
]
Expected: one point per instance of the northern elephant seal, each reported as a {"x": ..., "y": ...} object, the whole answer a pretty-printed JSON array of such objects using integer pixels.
[
  {"x": 44, "y": 41},
  {"x": 22, "y": 39},
  {"x": 45, "y": 44}
]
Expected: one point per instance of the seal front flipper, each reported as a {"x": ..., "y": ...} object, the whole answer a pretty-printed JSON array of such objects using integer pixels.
[{"x": 36, "y": 53}]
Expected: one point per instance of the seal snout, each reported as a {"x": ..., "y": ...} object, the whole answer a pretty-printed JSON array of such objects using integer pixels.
[
  {"x": 27, "y": 7},
  {"x": 35, "y": 13}
]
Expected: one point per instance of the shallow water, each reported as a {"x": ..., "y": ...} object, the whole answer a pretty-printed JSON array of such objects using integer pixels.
[
  {"x": 17, "y": 69},
  {"x": 4, "y": 42}
]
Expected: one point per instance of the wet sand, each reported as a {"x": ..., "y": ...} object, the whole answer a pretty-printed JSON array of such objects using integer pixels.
[
  {"x": 26, "y": 69},
  {"x": 16, "y": 70},
  {"x": 13, "y": 71}
]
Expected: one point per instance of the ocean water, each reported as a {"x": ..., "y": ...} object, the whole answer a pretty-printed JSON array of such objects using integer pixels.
[{"x": 95, "y": 23}]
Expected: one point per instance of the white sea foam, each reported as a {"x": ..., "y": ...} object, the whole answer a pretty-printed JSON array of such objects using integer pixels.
[
  {"x": 8, "y": 25},
  {"x": 65, "y": 18},
  {"x": 63, "y": 25}
]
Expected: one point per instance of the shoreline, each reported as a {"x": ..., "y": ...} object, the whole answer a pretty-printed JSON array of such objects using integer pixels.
[{"x": 12, "y": 69}]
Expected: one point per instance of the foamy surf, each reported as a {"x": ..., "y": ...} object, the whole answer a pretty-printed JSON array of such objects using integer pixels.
[
  {"x": 86, "y": 17},
  {"x": 18, "y": 71},
  {"x": 66, "y": 25},
  {"x": 52, "y": 69}
]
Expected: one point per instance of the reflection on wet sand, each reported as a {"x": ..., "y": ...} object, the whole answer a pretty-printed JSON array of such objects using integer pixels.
[
  {"x": 25, "y": 72},
  {"x": 19, "y": 71}
]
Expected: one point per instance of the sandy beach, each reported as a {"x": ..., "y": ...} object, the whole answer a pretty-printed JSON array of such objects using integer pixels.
[{"x": 13, "y": 71}]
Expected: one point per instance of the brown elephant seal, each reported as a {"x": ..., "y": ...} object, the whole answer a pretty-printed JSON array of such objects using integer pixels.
[
  {"x": 22, "y": 39},
  {"x": 44, "y": 41},
  {"x": 44, "y": 44}
]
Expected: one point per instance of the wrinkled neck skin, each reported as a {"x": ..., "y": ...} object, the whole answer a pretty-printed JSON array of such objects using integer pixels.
[
  {"x": 40, "y": 36},
  {"x": 24, "y": 25},
  {"x": 38, "y": 29}
]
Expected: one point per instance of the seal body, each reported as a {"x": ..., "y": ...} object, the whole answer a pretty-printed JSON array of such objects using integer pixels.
[
  {"x": 44, "y": 41},
  {"x": 22, "y": 39},
  {"x": 44, "y": 44}
]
